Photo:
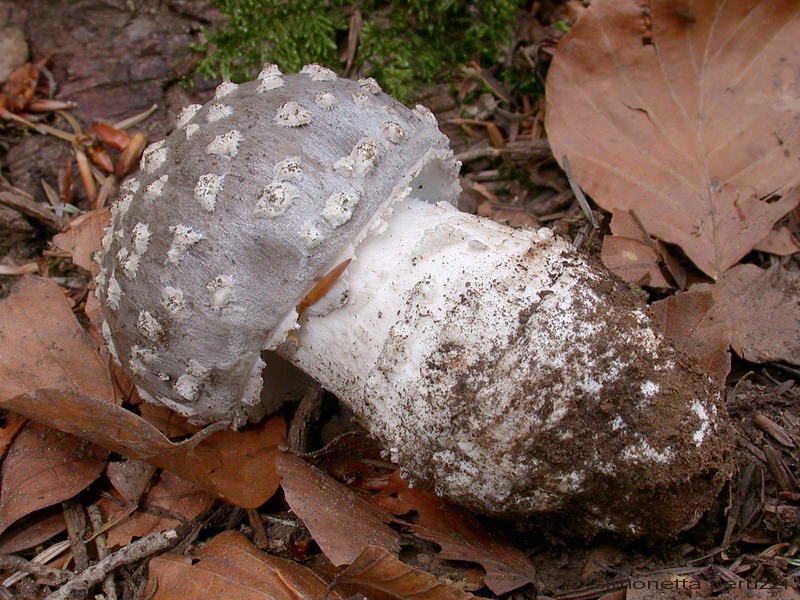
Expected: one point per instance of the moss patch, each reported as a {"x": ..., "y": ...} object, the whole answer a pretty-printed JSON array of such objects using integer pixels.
[{"x": 402, "y": 45}]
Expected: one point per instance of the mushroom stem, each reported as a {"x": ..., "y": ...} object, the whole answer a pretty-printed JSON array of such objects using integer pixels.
[{"x": 514, "y": 376}]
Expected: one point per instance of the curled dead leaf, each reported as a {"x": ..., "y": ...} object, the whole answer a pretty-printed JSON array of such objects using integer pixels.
[
  {"x": 779, "y": 241},
  {"x": 633, "y": 261},
  {"x": 236, "y": 466},
  {"x": 100, "y": 157},
  {"x": 341, "y": 523},
  {"x": 459, "y": 535},
  {"x": 130, "y": 156},
  {"x": 754, "y": 311},
  {"x": 112, "y": 136},
  {"x": 380, "y": 575}
]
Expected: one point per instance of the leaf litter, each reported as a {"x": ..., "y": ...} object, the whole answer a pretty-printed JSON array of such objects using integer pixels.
[
  {"x": 459, "y": 535},
  {"x": 690, "y": 133},
  {"x": 754, "y": 311},
  {"x": 342, "y": 523},
  {"x": 43, "y": 467},
  {"x": 230, "y": 566},
  {"x": 697, "y": 129},
  {"x": 170, "y": 502}
]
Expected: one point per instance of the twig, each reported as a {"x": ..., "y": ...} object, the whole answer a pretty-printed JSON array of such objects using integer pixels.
[
  {"x": 44, "y": 556},
  {"x": 478, "y": 153},
  {"x": 41, "y": 127},
  {"x": 96, "y": 519},
  {"x": 584, "y": 203},
  {"x": 43, "y": 573},
  {"x": 260, "y": 538},
  {"x": 142, "y": 548},
  {"x": 75, "y": 519},
  {"x": 34, "y": 210},
  {"x": 135, "y": 119}
]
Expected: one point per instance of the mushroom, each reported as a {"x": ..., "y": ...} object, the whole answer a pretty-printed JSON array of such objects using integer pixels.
[{"x": 312, "y": 218}]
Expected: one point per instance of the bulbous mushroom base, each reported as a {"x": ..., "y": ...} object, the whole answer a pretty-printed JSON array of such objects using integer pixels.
[{"x": 515, "y": 377}]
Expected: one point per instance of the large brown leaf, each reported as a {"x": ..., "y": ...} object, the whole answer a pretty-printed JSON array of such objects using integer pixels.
[
  {"x": 693, "y": 127},
  {"x": 44, "y": 467},
  {"x": 341, "y": 523},
  {"x": 752, "y": 310},
  {"x": 231, "y": 567},
  {"x": 42, "y": 345},
  {"x": 237, "y": 466}
]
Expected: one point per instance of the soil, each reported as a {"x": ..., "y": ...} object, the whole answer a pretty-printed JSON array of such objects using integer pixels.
[{"x": 116, "y": 58}]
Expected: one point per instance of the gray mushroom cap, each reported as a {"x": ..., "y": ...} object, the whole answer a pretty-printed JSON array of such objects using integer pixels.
[{"x": 234, "y": 217}]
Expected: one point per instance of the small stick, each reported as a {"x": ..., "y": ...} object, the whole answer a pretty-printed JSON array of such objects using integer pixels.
[
  {"x": 260, "y": 538},
  {"x": 75, "y": 519},
  {"x": 34, "y": 210},
  {"x": 43, "y": 573},
  {"x": 478, "y": 153},
  {"x": 135, "y": 119},
  {"x": 96, "y": 519},
  {"x": 142, "y": 548},
  {"x": 584, "y": 203}
]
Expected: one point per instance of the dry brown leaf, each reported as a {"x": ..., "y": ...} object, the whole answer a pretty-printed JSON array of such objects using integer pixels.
[
  {"x": 380, "y": 575},
  {"x": 632, "y": 254},
  {"x": 130, "y": 477},
  {"x": 231, "y": 567},
  {"x": 236, "y": 466},
  {"x": 32, "y": 531},
  {"x": 170, "y": 493},
  {"x": 752, "y": 310},
  {"x": 349, "y": 456},
  {"x": 43, "y": 467},
  {"x": 459, "y": 535},
  {"x": 42, "y": 345},
  {"x": 683, "y": 320},
  {"x": 633, "y": 261},
  {"x": 341, "y": 523},
  {"x": 779, "y": 241},
  {"x": 693, "y": 129},
  {"x": 83, "y": 238}
]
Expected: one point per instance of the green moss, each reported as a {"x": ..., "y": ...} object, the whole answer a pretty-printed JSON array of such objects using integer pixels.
[{"x": 402, "y": 44}]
